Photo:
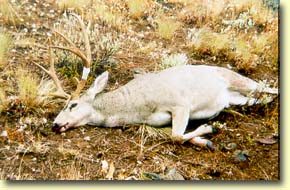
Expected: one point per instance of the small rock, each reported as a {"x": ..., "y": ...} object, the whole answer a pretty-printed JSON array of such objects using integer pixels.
[
  {"x": 267, "y": 140},
  {"x": 131, "y": 178},
  {"x": 230, "y": 146},
  {"x": 241, "y": 156},
  {"x": 44, "y": 120},
  {"x": 111, "y": 171},
  {"x": 150, "y": 176},
  {"x": 22, "y": 128},
  {"x": 105, "y": 166},
  {"x": 87, "y": 138},
  {"x": 4, "y": 134},
  {"x": 173, "y": 175}
]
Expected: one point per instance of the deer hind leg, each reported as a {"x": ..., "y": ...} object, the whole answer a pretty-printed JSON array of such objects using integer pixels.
[
  {"x": 180, "y": 117},
  {"x": 236, "y": 98}
]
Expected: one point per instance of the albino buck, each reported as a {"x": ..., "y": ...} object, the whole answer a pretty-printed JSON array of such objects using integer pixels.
[{"x": 174, "y": 95}]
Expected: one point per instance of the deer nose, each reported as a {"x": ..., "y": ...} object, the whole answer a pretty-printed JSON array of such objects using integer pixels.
[{"x": 56, "y": 128}]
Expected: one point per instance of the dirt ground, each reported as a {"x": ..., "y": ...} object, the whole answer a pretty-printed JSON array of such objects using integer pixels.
[{"x": 247, "y": 138}]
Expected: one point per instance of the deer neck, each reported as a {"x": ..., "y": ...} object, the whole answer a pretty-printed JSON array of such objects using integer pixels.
[{"x": 111, "y": 103}]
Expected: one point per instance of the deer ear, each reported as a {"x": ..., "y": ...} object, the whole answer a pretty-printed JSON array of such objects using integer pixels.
[{"x": 98, "y": 85}]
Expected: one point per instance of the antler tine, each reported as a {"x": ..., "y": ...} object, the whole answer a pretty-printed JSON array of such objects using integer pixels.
[
  {"x": 75, "y": 51},
  {"x": 52, "y": 73},
  {"x": 87, "y": 63},
  {"x": 54, "y": 77},
  {"x": 86, "y": 39},
  {"x": 65, "y": 38},
  {"x": 86, "y": 58}
]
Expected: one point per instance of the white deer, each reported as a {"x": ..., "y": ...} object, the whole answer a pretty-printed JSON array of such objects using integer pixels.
[{"x": 175, "y": 95}]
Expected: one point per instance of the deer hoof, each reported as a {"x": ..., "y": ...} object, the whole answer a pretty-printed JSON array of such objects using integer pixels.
[
  {"x": 210, "y": 145},
  {"x": 215, "y": 130}
]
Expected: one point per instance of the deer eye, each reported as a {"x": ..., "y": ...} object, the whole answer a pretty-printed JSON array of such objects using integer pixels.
[{"x": 72, "y": 106}]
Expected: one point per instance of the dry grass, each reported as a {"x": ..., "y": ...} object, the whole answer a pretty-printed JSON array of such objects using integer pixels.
[
  {"x": 76, "y": 5},
  {"x": 72, "y": 172},
  {"x": 166, "y": 27},
  {"x": 108, "y": 16},
  {"x": 205, "y": 40},
  {"x": 242, "y": 55},
  {"x": 148, "y": 132},
  {"x": 200, "y": 11},
  {"x": 138, "y": 8},
  {"x": 68, "y": 152},
  {"x": 266, "y": 46},
  {"x": 8, "y": 13},
  {"x": 259, "y": 12},
  {"x": 245, "y": 50},
  {"x": 3, "y": 100},
  {"x": 216, "y": 12},
  {"x": 173, "y": 60},
  {"x": 27, "y": 84},
  {"x": 5, "y": 42}
]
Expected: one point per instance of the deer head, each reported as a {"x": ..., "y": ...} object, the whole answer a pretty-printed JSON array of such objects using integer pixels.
[{"x": 78, "y": 110}]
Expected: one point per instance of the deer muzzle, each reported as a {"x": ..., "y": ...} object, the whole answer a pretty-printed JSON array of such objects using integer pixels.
[{"x": 56, "y": 128}]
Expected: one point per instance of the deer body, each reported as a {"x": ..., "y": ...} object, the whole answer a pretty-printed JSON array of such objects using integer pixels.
[
  {"x": 174, "y": 95},
  {"x": 152, "y": 98}
]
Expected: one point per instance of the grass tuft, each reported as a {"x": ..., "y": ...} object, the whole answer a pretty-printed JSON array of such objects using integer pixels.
[
  {"x": 76, "y": 5},
  {"x": 173, "y": 60},
  {"x": 166, "y": 27},
  {"x": 206, "y": 41},
  {"x": 8, "y": 13},
  {"x": 3, "y": 100},
  {"x": 108, "y": 16},
  {"x": 154, "y": 133},
  {"x": 138, "y": 8},
  {"x": 27, "y": 84},
  {"x": 244, "y": 51},
  {"x": 5, "y": 42}
]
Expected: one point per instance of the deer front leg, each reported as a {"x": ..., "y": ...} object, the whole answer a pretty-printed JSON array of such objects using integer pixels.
[
  {"x": 194, "y": 136},
  {"x": 202, "y": 142},
  {"x": 180, "y": 117},
  {"x": 201, "y": 130}
]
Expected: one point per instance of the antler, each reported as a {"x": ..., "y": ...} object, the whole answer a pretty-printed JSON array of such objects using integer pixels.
[
  {"x": 52, "y": 73},
  {"x": 86, "y": 58}
]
